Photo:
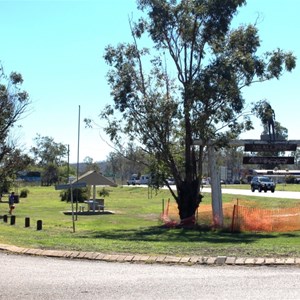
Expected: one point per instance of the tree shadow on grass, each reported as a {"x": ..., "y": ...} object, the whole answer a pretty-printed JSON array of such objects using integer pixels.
[{"x": 157, "y": 234}]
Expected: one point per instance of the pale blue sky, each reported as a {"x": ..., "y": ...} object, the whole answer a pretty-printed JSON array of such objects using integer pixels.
[{"x": 58, "y": 46}]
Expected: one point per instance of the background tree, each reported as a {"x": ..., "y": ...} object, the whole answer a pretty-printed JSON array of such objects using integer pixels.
[
  {"x": 65, "y": 172},
  {"x": 50, "y": 156},
  {"x": 50, "y": 174},
  {"x": 232, "y": 158},
  {"x": 48, "y": 151},
  {"x": 188, "y": 86},
  {"x": 14, "y": 103},
  {"x": 132, "y": 160},
  {"x": 12, "y": 163},
  {"x": 90, "y": 165}
]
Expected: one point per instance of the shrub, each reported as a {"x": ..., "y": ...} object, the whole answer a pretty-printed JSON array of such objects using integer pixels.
[
  {"x": 24, "y": 193},
  {"x": 290, "y": 179},
  {"x": 103, "y": 192},
  {"x": 82, "y": 193}
]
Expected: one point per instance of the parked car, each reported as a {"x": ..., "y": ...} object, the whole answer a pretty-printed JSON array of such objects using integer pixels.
[
  {"x": 262, "y": 183},
  {"x": 145, "y": 179},
  {"x": 134, "y": 179}
]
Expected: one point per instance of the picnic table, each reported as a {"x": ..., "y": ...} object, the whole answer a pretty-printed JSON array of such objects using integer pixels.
[{"x": 95, "y": 205}]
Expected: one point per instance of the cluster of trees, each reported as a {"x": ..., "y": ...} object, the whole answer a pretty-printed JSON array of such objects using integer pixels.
[{"x": 51, "y": 158}]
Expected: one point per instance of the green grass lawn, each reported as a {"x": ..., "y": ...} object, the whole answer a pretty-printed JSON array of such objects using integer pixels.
[{"x": 135, "y": 227}]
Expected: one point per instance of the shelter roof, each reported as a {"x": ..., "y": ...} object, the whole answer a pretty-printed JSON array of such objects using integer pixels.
[{"x": 94, "y": 178}]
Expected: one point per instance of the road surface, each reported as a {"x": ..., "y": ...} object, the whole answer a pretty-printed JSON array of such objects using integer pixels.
[
  {"x": 248, "y": 192},
  {"x": 27, "y": 277},
  {"x": 276, "y": 194}
]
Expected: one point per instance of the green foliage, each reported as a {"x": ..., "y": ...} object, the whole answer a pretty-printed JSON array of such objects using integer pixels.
[
  {"x": 47, "y": 151},
  {"x": 79, "y": 194},
  {"x": 51, "y": 157},
  {"x": 50, "y": 174},
  {"x": 290, "y": 179},
  {"x": 65, "y": 171},
  {"x": 24, "y": 193},
  {"x": 5, "y": 186},
  {"x": 103, "y": 192},
  {"x": 14, "y": 103}
]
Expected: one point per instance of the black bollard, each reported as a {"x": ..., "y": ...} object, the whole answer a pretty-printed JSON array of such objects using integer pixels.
[
  {"x": 27, "y": 222},
  {"x": 5, "y": 218},
  {"x": 39, "y": 225},
  {"x": 12, "y": 220}
]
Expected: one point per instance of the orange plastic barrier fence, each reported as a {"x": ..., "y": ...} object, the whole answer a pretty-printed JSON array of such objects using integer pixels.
[
  {"x": 256, "y": 219},
  {"x": 170, "y": 215},
  {"x": 239, "y": 217}
]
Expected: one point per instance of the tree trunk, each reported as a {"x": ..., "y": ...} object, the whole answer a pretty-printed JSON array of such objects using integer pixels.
[
  {"x": 188, "y": 190},
  {"x": 188, "y": 202}
]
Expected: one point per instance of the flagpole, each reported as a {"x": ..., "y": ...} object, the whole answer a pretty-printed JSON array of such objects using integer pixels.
[{"x": 78, "y": 142}]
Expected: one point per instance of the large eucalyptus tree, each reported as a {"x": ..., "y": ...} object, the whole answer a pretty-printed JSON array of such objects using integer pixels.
[{"x": 188, "y": 86}]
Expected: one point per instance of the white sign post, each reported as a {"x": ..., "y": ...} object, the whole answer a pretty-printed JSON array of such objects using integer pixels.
[{"x": 216, "y": 193}]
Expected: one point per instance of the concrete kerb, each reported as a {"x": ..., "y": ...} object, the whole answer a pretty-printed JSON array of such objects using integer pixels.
[{"x": 173, "y": 260}]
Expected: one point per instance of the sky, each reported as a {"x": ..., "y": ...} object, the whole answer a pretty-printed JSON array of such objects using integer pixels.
[{"x": 58, "y": 48}]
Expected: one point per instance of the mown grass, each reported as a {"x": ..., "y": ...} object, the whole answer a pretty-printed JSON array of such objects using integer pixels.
[{"x": 135, "y": 227}]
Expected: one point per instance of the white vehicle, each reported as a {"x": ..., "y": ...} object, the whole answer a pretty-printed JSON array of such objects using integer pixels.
[
  {"x": 145, "y": 179},
  {"x": 134, "y": 179}
]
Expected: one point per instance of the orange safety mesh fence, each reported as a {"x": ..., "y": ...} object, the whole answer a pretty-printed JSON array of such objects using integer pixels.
[
  {"x": 270, "y": 220},
  {"x": 238, "y": 216},
  {"x": 203, "y": 216}
]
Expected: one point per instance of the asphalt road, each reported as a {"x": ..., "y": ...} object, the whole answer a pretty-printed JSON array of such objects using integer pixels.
[
  {"x": 268, "y": 194},
  {"x": 27, "y": 277},
  {"x": 276, "y": 194}
]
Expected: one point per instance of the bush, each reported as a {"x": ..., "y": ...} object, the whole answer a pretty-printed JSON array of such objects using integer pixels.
[
  {"x": 82, "y": 193},
  {"x": 24, "y": 193},
  {"x": 290, "y": 179},
  {"x": 103, "y": 192}
]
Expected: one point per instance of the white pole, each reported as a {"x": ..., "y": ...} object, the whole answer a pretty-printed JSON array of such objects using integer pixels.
[
  {"x": 72, "y": 204},
  {"x": 216, "y": 193},
  {"x": 78, "y": 158}
]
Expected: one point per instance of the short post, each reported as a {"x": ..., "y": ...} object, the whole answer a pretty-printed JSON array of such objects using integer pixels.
[
  {"x": 5, "y": 218},
  {"x": 39, "y": 225},
  {"x": 27, "y": 222},
  {"x": 12, "y": 220}
]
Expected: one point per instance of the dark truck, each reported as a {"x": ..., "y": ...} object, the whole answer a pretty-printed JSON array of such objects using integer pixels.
[{"x": 262, "y": 183}]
